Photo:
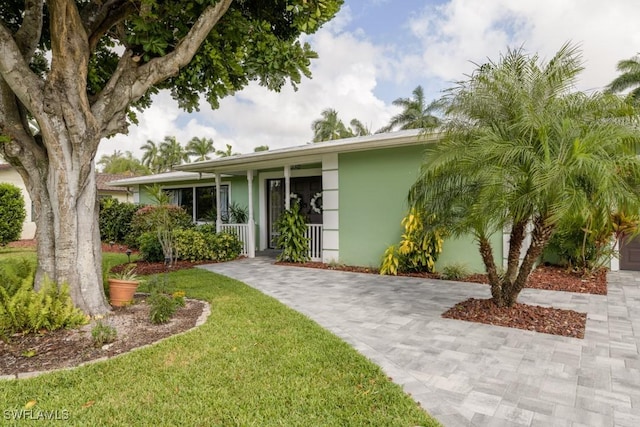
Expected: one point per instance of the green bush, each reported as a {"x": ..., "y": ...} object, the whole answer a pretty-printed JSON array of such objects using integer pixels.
[
  {"x": 454, "y": 272},
  {"x": 226, "y": 246},
  {"x": 163, "y": 307},
  {"x": 115, "y": 219},
  {"x": 201, "y": 244},
  {"x": 12, "y": 213},
  {"x": 102, "y": 334},
  {"x": 145, "y": 220},
  {"x": 50, "y": 308},
  {"x": 14, "y": 272},
  {"x": 150, "y": 247},
  {"x": 292, "y": 237},
  {"x": 192, "y": 245}
]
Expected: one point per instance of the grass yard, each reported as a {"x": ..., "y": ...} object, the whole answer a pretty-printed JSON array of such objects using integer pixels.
[{"x": 254, "y": 362}]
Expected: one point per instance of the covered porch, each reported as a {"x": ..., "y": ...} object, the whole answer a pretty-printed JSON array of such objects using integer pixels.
[{"x": 270, "y": 187}]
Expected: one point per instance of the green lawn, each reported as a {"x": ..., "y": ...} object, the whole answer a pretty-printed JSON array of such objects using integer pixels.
[{"x": 254, "y": 362}]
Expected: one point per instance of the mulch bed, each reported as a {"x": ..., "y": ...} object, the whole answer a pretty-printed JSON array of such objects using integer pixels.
[
  {"x": 70, "y": 347},
  {"x": 547, "y": 320}
]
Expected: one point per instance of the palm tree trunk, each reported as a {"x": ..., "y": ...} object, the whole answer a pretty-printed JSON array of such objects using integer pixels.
[
  {"x": 486, "y": 251},
  {"x": 540, "y": 235}
]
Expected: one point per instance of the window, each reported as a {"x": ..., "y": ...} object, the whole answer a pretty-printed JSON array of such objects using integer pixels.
[{"x": 202, "y": 207}]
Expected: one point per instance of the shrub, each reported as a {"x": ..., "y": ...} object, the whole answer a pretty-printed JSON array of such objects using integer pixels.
[
  {"x": 192, "y": 245},
  {"x": 115, "y": 219},
  {"x": 163, "y": 307},
  {"x": 146, "y": 219},
  {"x": 27, "y": 311},
  {"x": 201, "y": 244},
  {"x": 12, "y": 213},
  {"x": 292, "y": 238},
  {"x": 150, "y": 247},
  {"x": 102, "y": 334},
  {"x": 14, "y": 272},
  {"x": 418, "y": 250},
  {"x": 454, "y": 272},
  {"x": 226, "y": 246}
]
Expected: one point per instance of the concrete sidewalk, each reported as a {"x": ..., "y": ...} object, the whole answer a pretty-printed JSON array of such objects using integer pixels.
[{"x": 465, "y": 373}]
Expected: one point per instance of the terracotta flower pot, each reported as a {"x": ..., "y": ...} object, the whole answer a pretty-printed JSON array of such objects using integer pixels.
[{"x": 121, "y": 291}]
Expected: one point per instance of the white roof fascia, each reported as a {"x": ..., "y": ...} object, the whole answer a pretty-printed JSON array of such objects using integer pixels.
[{"x": 161, "y": 177}]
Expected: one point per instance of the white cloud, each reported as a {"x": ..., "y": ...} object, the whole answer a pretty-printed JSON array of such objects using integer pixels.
[
  {"x": 440, "y": 41},
  {"x": 455, "y": 33}
]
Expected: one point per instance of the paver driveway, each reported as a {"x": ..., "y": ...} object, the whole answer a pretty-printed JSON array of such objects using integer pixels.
[{"x": 465, "y": 373}]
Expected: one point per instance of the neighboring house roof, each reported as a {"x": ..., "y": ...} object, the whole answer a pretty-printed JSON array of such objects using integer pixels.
[
  {"x": 5, "y": 166},
  {"x": 161, "y": 177},
  {"x": 308, "y": 153},
  {"x": 103, "y": 181}
]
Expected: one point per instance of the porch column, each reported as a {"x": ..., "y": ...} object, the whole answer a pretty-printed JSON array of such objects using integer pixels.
[
  {"x": 287, "y": 187},
  {"x": 218, "y": 213},
  {"x": 250, "y": 222}
]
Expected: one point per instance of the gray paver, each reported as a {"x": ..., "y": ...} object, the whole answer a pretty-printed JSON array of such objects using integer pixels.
[{"x": 473, "y": 374}]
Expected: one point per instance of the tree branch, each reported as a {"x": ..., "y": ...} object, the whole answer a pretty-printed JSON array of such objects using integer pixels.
[
  {"x": 131, "y": 81},
  {"x": 28, "y": 36},
  {"x": 98, "y": 19},
  {"x": 15, "y": 71}
]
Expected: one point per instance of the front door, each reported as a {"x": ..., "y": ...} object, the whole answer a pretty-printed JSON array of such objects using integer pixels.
[{"x": 305, "y": 190}]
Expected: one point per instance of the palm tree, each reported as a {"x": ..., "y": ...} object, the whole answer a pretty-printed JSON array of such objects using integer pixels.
[
  {"x": 329, "y": 127},
  {"x": 629, "y": 79},
  {"x": 260, "y": 148},
  {"x": 416, "y": 113},
  {"x": 358, "y": 128},
  {"x": 226, "y": 153},
  {"x": 521, "y": 150},
  {"x": 125, "y": 164},
  {"x": 200, "y": 148},
  {"x": 150, "y": 156},
  {"x": 172, "y": 153}
]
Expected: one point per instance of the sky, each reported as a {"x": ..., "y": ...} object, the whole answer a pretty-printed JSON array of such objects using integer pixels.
[{"x": 375, "y": 51}]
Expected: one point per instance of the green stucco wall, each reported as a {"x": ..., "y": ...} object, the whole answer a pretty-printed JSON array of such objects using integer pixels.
[{"x": 373, "y": 200}]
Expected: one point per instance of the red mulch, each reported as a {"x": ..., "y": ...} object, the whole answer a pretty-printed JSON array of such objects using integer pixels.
[
  {"x": 145, "y": 267},
  {"x": 548, "y": 320},
  {"x": 554, "y": 321}
]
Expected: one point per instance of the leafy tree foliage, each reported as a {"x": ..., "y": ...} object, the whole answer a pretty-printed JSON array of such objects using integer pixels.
[
  {"x": 330, "y": 127},
  {"x": 125, "y": 164},
  {"x": 521, "y": 149},
  {"x": 227, "y": 152},
  {"x": 415, "y": 114},
  {"x": 80, "y": 69},
  {"x": 200, "y": 148},
  {"x": 628, "y": 79},
  {"x": 172, "y": 153},
  {"x": 12, "y": 213}
]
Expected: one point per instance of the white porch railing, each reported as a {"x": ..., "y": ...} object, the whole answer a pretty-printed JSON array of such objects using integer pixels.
[
  {"x": 314, "y": 234},
  {"x": 240, "y": 230}
]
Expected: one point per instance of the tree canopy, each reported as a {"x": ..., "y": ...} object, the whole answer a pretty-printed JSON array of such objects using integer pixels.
[
  {"x": 628, "y": 79},
  {"x": 330, "y": 127},
  {"x": 80, "y": 69},
  {"x": 415, "y": 114},
  {"x": 520, "y": 150}
]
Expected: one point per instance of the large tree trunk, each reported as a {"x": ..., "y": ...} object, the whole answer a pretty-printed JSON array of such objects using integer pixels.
[
  {"x": 57, "y": 162},
  {"x": 69, "y": 247}
]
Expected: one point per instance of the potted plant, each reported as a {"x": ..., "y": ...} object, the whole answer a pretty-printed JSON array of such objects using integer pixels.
[{"x": 122, "y": 286}]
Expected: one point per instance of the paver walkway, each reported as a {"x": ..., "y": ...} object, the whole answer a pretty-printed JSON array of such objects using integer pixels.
[{"x": 465, "y": 373}]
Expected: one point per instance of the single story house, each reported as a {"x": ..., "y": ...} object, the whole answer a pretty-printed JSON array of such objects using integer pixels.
[
  {"x": 10, "y": 175},
  {"x": 353, "y": 191}
]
